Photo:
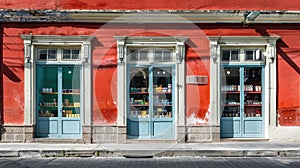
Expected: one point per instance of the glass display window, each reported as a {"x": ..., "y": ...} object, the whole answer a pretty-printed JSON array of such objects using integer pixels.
[
  {"x": 253, "y": 92},
  {"x": 231, "y": 92},
  {"x": 58, "y": 101},
  {"x": 242, "y": 104},
  {"x": 243, "y": 97},
  {"x": 151, "y": 101}
]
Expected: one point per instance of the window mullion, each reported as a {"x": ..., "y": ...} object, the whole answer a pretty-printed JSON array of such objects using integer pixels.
[{"x": 59, "y": 54}]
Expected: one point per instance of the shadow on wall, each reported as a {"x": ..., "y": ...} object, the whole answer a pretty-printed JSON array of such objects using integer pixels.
[
  {"x": 280, "y": 45},
  {"x": 1, "y": 81},
  {"x": 285, "y": 57}
]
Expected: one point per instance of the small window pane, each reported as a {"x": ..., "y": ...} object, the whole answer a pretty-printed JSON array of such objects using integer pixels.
[
  {"x": 249, "y": 55},
  {"x": 225, "y": 55},
  {"x": 133, "y": 55},
  {"x": 235, "y": 55},
  {"x": 66, "y": 54},
  {"x": 42, "y": 54},
  {"x": 143, "y": 55},
  {"x": 167, "y": 56},
  {"x": 158, "y": 55},
  {"x": 75, "y": 54},
  {"x": 51, "y": 54}
]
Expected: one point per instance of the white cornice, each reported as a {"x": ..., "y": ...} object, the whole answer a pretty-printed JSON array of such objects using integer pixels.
[
  {"x": 146, "y": 16},
  {"x": 54, "y": 39},
  {"x": 245, "y": 40}
]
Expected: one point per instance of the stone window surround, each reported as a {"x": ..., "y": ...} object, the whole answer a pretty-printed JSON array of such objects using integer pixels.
[
  {"x": 269, "y": 43},
  {"x": 31, "y": 43},
  {"x": 178, "y": 43}
]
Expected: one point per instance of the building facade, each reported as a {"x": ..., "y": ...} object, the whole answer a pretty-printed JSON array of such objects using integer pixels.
[{"x": 133, "y": 72}]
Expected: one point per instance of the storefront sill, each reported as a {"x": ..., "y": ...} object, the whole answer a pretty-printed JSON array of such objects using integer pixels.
[{"x": 244, "y": 140}]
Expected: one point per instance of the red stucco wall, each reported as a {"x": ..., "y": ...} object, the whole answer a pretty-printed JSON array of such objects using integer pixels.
[
  {"x": 13, "y": 78},
  {"x": 197, "y": 63},
  {"x": 153, "y": 5}
]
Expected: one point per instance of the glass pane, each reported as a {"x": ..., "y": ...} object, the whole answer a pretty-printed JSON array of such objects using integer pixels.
[
  {"x": 139, "y": 92},
  {"x": 162, "y": 92},
  {"x": 144, "y": 55},
  {"x": 133, "y": 55},
  {"x": 253, "y": 92},
  {"x": 71, "y": 91},
  {"x": 52, "y": 54},
  {"x": 47, "y": 95},
  {"x": 167, "y": 56},
  {"x": 158, "y": 55},
  {"x": 230, "y": 92},
  {"x": 235, "y": 55},
  {"x": 225, "y": 55},
  {"x": 249, "y": 55},
  {"x": 66, "y": 54},
  {"x": 42, "y": 54},
  {"x": 75, "y": 54}
]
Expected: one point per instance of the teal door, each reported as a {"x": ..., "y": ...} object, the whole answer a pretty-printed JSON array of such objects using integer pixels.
[
  {"x": 58, "y": 101},
  {"x": 242, "y": 104},
  {"x": 151, "y": 102}
]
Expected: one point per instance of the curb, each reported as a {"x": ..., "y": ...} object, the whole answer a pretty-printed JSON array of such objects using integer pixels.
[{"x": 151, "y": 153}]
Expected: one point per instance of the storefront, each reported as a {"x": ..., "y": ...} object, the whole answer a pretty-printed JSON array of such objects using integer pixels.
[
  {"x": 151, "y": 66},
  {"x": 151, "y": 100},
  {"x": 58, "y": 100},
  {"x": 140, "y": 73},
  {"x": 240, "y": 65},
  {"x": 54, "y": 92},
  {"x": 242, "y": 93}
]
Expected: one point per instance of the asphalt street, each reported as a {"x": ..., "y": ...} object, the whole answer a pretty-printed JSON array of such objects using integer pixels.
[{"x": 167, "y": 162}]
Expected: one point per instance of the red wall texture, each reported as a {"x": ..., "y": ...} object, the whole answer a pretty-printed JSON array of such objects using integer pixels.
[
  {"x": 153, "y": 4},
  {"x": 197, "y": 63}
]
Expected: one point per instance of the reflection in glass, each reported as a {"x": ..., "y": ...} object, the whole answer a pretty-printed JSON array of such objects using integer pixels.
[
  {"x": 253, "y": 92},
  {"x": 47, "y": 86},
  {"x": 162, "y": 92},
  {"x": 231, "y": 92}
]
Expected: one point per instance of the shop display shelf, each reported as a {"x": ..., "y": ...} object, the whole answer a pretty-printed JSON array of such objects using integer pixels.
[
  {"x": 158, "y": 93},
  {"x": 139, "y": 105},
  {"x": 55, "y": 93},
  {"x": 139, "y": 93}
]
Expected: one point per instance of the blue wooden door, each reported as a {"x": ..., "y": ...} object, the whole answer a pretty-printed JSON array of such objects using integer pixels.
[
  {"x": 151, "y": 102},
  {"x": 58, "y": 101},
  {"x": 242, "y": 105}
]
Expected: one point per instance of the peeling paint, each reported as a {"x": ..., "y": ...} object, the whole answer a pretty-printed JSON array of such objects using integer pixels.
[{"x": 194, "y": 120}]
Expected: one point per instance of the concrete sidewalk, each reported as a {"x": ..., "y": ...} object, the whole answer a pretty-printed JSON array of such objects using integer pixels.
[{"x": 222, "y": 149}]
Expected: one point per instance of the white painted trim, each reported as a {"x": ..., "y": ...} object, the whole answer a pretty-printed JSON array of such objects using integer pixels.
[
  {"x": 150, "y": 16},
  {"x": 31, "y": 42},
  {"x": 269, "y": 42},
  {"x": 178, "y": 43}
]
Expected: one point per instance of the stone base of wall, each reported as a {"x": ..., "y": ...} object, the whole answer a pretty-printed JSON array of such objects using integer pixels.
[
  {"x": 110, "y": 134},
  {"x": 14, "y": 133},
  {"x": 87, "y": 134},
  {"x": 196, "y": 134},
  {"x": 181, "y": 134},
  {"x": 105, "y": 134}
]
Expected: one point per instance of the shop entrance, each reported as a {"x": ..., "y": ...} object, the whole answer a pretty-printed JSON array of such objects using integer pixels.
[
  {"x": 58, "y": 101},
  {"x": 151, "y": 102},
  {"x": 242, "y": 102}
]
